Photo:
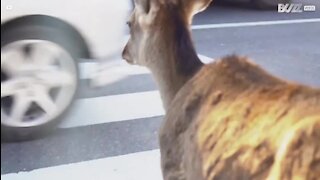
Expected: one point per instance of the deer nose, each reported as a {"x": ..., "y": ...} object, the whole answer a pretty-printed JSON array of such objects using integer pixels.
[{"x": 125, "y": 53}]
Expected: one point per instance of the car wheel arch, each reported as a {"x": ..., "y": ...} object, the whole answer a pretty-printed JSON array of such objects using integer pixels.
[{"x": 49, "y": 21}]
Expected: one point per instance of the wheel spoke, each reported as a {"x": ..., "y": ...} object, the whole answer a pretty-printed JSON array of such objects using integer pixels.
[
  {"x": 9, "y": 87},
  {"x": 43, "y": 53},
  {"x": 11, "y": 61},
  {"x": 44, "y": 100},
  {"x": 57, "y": 78},
  {"x": 20, "y": 107}
]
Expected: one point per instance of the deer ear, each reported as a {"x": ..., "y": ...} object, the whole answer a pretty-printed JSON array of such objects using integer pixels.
[
  {"x": 143, "y": 5},
  {"x": 147, "y": 10},
  {"x": 193, "y": 7}
]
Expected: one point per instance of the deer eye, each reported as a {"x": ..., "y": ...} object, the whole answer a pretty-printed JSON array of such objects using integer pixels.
[{"x": 129, "y": 24}]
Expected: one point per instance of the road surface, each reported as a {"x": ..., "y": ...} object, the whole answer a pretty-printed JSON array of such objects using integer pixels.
[{"x": 111, "y": 132}]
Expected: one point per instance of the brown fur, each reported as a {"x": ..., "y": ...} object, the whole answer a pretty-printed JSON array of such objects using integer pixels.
[
  {"x": 235, "y": 125},
  {"x": 226, "y": 120}
]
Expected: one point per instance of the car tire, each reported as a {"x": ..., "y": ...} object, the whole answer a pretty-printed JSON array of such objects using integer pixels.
[{"x": 49, "y": 34}]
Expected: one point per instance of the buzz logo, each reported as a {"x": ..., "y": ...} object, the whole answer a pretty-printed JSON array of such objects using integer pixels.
[{"x": 290, "y": 8}]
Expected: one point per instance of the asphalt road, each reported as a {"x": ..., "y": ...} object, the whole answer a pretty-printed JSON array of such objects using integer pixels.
[
  {"x": 290, "y": 51},
  {"x": 111, "y": 132}
]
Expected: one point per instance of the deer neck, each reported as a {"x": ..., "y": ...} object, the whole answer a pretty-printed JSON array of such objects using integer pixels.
[{"x": 175, "y": 58}]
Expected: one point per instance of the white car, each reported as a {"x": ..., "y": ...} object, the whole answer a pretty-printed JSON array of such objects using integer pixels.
[{"x": 41, "y": 42}]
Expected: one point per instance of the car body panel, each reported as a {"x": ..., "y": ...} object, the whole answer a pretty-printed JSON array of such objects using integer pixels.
[{"x": 100, "y": 22}]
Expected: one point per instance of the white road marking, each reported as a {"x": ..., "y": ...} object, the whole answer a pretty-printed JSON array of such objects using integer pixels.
[
  {"x": 114, "y": 108},
  {"x": 257, "y": 23},
  {"x": 118, "y": 67},
  {"x": 104, "y": 73},
  {"x": 205, "y": 59},
  {"x": 137, "y": 166},
  {"x": 88, "y": 69}
]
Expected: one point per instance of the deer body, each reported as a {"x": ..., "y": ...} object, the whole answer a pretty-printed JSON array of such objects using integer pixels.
[
  {"x": 226, "y": 120},
  {"x": 241, "y": 123}
]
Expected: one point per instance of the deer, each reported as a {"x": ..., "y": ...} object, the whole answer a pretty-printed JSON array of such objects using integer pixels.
[{"x": 226, "y": 120}]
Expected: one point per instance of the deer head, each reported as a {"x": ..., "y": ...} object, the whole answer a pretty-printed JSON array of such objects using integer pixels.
[
  {"x": 160, "y": 40},
  {"x": 151, "y": 19}
]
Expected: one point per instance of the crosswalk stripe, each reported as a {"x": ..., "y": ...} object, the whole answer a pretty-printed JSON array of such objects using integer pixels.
[
  {"x": 117, "y": 68},
  {"x": 137, "y": 166},
  {"x": 205, "y": 59},
  {"x": 256, "y": 23},
  {"x": 114, "y": 108}
]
